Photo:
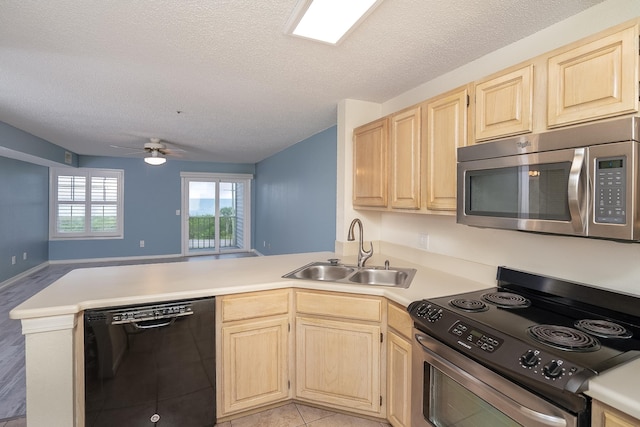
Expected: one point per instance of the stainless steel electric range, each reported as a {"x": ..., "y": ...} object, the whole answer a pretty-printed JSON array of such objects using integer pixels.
[{"x": 518, "y": 354}]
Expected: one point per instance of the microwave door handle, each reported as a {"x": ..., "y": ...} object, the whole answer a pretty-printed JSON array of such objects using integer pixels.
[{"x": 578, "y": 217}]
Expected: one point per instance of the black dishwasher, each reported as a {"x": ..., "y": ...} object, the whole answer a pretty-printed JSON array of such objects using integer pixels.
[{"x": 151, "y": 365}]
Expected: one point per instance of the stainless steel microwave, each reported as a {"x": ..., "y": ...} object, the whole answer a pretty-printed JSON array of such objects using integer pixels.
[{"x": 579, "y": 181}]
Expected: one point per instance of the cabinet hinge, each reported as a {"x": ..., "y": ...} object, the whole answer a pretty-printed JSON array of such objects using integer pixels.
[
  {"x": 381, "y": 337},
  {"x": 289, "y": 385},
  {"x": 468, "y": 100},
  {"x": 289, "y": 327},
  {"x": 380, "y": 400}
]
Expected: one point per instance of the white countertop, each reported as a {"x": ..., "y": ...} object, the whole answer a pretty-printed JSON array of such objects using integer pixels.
[
  {"x": 87, "y": 288},
  {"x": 618, "y": 388}
]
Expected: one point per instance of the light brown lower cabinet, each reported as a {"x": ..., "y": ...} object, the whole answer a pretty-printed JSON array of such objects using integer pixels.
[
  {"x": 398, "y": 380},
  {"x": 253, "y": 349},
  {"x": 398, "y": 365},
  {"x": 338, "y": 363},
  {"x": 605, "y": 416},
  {"x": 329, "y": 350},
  {"x": 339, "y": 351}
]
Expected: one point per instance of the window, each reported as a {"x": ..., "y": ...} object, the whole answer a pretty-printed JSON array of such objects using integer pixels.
[{"x": 86, "y": 203}]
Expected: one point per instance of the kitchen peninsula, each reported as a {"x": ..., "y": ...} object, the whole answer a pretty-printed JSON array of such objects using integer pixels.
[{"x": 53, "y": 327}]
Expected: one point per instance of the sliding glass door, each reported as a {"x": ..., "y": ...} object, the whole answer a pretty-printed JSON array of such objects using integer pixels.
[{"x": 216, "y": 213}]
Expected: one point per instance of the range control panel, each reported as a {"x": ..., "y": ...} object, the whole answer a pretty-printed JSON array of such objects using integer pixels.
[
  {"x": 610, "y": 190},
  {"x": 474, "y": 336}
]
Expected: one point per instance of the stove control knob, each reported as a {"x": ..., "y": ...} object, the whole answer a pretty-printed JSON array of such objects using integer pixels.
[
  {"x": 553, "y": 369},
  {"x": 434, "y": 315},
  {"x": 530, "y": 359}
]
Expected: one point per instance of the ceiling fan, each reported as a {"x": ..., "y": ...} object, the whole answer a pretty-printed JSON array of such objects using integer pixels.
[{"x": 156, "y": 151}]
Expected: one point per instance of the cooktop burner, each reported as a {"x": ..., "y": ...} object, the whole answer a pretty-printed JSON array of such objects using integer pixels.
[
  {"x": 563, "y": 338},
  {"x": 506, "y": 299},
  {"x": 603, "y": 328},
  {"x": 472, "y": 305}
]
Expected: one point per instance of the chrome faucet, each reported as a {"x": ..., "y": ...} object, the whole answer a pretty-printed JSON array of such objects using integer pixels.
[{"x": 363, "y": 255}]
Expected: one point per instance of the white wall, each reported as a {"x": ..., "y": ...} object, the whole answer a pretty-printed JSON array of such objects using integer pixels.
[{"x": 608, "y": 264}]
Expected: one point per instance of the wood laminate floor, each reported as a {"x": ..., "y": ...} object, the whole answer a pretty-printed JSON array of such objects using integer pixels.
[{"x": 12, "y": 370}]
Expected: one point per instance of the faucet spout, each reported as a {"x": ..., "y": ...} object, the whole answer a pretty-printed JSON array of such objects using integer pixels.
[{"x": 363, "y": 255}]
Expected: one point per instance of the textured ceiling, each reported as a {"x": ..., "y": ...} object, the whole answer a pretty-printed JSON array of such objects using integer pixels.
[{"x": 219, "y": 78}]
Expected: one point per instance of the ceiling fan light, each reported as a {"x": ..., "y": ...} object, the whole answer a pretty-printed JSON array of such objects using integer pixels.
[{"x": 154, "y": 159}]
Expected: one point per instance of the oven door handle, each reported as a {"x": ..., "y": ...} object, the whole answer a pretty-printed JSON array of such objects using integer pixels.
[{"x": 539, "y": 417}]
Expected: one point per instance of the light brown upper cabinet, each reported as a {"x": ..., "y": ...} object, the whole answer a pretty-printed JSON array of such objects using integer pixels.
[
  {"x": 594, "y": 80},
  {"x": 370, "y": 173},
  {"x": 405, "y": 147},
  {"x": 504, "y": 104},
  {"x": 445, "y": 126}
]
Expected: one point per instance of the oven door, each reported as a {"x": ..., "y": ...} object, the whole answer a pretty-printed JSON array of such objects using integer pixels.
[
  {"x": 543, "y": 192},
  {"x": 450, "y": 389}
]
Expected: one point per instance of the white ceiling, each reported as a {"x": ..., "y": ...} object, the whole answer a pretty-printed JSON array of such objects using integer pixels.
[{"x": 220, "y": 78}]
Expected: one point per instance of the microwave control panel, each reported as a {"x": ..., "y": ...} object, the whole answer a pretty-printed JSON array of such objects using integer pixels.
[{"x": 610, "y": 190}]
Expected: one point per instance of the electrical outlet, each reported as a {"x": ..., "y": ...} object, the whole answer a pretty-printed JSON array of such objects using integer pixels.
[
  {"x": 24, "y": 256},
  {"x": 423, "y": 241},
  {"x": 13, "y": 260},
  {"x": 177, "y": 212},
  {"x": 142, "y": 243}
]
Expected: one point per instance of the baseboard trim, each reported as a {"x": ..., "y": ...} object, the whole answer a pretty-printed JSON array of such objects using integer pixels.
[
  {"x": 22, "y": 275},
  {"x": 111, "y": 259}
]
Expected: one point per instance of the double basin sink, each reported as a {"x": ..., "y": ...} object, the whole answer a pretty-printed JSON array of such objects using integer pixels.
[{"x": 332, "y": 271}]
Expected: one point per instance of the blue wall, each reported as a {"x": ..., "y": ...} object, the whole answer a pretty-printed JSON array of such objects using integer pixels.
[
  {"x": 295, "y": 208},
  {"x": 293, "y": 196},
  {"x": 24, "y": 220},
  {"x": 152, "y": 194},
  {"x": 15, "y": 142}
]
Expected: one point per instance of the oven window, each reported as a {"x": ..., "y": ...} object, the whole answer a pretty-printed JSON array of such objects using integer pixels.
[{"x": 452, "y": 405}]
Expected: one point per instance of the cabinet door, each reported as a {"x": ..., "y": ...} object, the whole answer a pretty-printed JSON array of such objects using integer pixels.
[
  {"x": 446, "y": 129},
  {"x": 605, "y": 416},
  {"x": 370, "y": 151},
  {"x": 594, "y": 80},
  {"x": 255, "y": 363},
  {"x": 405, "y": 147},
  {"x": 398, "y": 381},
  {"x": 338, "y": 363},
  {"x": 504, "y": 104}
]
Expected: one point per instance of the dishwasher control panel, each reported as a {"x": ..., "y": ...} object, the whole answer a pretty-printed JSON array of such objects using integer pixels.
[{"x": 163, "y": 311}]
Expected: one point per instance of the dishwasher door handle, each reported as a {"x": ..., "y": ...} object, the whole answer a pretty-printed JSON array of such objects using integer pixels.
[{"x": 150, "y": 324}]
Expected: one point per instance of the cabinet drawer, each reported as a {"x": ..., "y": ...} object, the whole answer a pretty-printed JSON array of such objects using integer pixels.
[
  {"x": 344, "y": 306},
  {"x": 257, "y": 304},
  {"x": 399, "y": 319}
]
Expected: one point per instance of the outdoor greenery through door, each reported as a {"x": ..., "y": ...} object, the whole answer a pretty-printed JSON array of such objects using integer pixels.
[{"x": 216, "y": 208}]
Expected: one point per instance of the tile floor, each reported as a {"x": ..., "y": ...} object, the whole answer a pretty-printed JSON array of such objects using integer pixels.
[
  {"x": 299, "y": 415},
  {"x": 290, "y": 415}
]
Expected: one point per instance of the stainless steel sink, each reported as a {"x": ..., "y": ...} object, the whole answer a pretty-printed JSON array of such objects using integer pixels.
[
  {"x": 322, "y": 271},
  {"x": 332, "y": 271},
  {"x": 381, "y": 277}
]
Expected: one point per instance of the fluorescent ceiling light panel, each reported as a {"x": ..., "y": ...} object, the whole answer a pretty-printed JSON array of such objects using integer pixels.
[{"x": 330, "y": 20}]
